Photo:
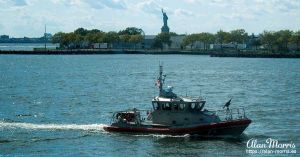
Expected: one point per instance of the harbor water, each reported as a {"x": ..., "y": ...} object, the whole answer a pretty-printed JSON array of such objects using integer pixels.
[
  {"x": 25, "y": 46},
  {"x": 57, "y": 105}
]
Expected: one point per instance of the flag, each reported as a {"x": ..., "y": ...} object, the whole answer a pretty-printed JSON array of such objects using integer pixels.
[{"x": 227, "y": 104}]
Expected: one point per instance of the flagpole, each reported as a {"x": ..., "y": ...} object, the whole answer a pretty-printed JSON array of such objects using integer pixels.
[{"x": 45, "y": 37}]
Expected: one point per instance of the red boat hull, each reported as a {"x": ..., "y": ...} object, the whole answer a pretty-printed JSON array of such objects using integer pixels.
[{"x": 234, "y": 127}]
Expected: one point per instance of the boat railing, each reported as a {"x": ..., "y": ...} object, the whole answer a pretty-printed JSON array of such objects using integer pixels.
[
  {"x": 146, "y": 115},
  {"x": 231, "y": 114},
  {"x": 140, "y": 115}
]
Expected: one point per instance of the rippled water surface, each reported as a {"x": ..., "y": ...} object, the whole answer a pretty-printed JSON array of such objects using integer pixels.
[
  {"x": 58, "y": 105},
  {"x": 25, "y": 46}
]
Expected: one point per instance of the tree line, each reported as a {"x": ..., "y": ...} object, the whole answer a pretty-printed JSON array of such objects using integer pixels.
[
  {"x": 271, "y": 40},
  {"x": 84, "y": 38}
]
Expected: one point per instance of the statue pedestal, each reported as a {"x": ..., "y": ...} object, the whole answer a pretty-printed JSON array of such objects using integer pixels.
[{"x": 165, "y": 29}]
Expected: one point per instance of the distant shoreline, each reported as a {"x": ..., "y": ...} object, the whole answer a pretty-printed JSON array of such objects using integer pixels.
[
  {"x": 99, "y": 52},
  {"x": 251, "y": 54}
]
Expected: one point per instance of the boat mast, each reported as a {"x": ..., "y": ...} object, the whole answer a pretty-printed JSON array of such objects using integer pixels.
[{"x": 160, "y": 79}]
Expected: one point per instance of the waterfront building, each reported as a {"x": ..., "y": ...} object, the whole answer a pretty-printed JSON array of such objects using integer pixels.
[
  {"x": 176, "y": 42},
  {"x": 196, "y": 45},
  {"x": 148, "y": 41},
  {"x": 228, "y": 46},
  {"x": 4, "y": 37}
]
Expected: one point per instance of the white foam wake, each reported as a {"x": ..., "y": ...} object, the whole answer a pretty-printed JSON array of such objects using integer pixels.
[
  {"x": 31, "y": 126},
  {"x": 163, "y": 136}
]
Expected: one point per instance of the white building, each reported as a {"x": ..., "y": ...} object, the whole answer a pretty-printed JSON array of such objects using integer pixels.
[
  {"x": 197, "y": 45},
  {"x": 228, "y": 46},
  {"x": 148, "y": 41},
  {"x": 176, "y": 42}
]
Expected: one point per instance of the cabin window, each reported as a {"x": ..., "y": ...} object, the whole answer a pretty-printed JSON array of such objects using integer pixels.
[
  {"x": 166, "y": 106},
  {"x": 193, "y": 106},
  {"x": 200, "y": 106},
  {"x": 175, "y": 107},
  {"x": 161, "y": 106},
  {"x": 181, "y": 106},
  {"x": 155, "y": 106}
]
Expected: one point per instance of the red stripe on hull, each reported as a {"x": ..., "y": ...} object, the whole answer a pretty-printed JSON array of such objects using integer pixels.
[{"x": 218, "y": 128}]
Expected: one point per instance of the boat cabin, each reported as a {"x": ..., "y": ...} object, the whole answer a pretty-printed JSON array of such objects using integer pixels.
[
  {"x": 170, "y": 109},
  {"x": 178, "y": 111}
]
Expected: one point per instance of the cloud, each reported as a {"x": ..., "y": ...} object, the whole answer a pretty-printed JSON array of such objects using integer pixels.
[
  {"x": 272, "y": 6},
  {"x": 12, "y": 4},
  {"x": 190, "y": 1},
  {"x": 184, "y": 15},
  {"x": 113, "y": 4},
  {"x": 243, "y": 10},
  {"x": 100, "y": 4},
  {"x": 182, "y": 12},
  {"x": 1, "y": 26},
  {"x": 239, "y": 17},
  {"x": 150, "y": 6},
  {"x": 95, "y": 4},
  {"x": 19, "y": 2},
  {"x": 264, "y": 6},
  {"x": 77, "y": 3}
]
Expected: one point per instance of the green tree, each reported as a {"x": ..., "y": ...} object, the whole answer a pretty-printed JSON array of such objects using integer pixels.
[
  {"x": 58, "y": 38},
  {"x": 223, "y": 37},
  {"x": 255, "y": 41},
  {"x": 295, "y": 39},
  {"x": 94, "y": 36},
  {"x": 189, "y": 39},
  {"x": 268, "y": 39},
  {"x": 94, "y": 31},
  {"x": 131, "y": 31},
  {"x": 72, "y": 40},
  {"x": 282, "y": 39},
  {"x": 81, "y": 31},
  {"x": 173, "y": 34},
  {"x": 111, "y": 37},
  {"x": 136, "y": 39},
  {"x": 158, "y": 43},
  {"x": 206, "y": 38},
  {"x": 125, "y": 38},
  {"x": 161, "y": 39},
  {"x": 165, "y": 38},
  {"x": 238, "y": 36},
  {"x": 67, "y": 39}
]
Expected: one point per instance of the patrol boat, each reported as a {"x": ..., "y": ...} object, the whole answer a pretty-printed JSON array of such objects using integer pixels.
[{"x": 176, "y": 115}]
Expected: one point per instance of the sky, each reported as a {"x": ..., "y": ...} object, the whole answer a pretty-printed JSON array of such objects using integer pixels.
[{"x": 19, "y": 18}]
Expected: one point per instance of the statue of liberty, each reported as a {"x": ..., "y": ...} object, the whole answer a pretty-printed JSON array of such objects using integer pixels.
[{"x": 165, "y": 28}]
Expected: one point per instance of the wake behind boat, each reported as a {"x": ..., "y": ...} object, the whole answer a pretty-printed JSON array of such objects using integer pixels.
[{"x": 175, "y": 115}]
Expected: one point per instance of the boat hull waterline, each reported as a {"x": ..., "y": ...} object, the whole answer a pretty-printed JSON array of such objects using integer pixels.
[{"x": 230, "y": 128}]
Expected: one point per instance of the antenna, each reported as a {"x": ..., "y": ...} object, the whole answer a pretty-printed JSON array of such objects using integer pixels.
[
  {"x": 186, "y": 91},
  {"x": 160, "y": 78},
  {"x": 45, "y": 36}
]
